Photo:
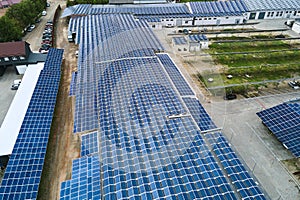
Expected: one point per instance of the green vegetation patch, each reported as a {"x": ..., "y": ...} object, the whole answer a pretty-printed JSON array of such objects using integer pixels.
[{"x": 254, "y": 62}]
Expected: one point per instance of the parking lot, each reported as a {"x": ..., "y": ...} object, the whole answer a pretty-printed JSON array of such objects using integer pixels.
[
  {"x": 260, "y": 150},
  {"x": 34, "y": 38},
  {"x": 7, "y": 94}
]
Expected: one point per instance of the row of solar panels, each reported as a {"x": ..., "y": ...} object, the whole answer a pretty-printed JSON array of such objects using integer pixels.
[
  {"x": 218, "y": 7},
  {"x": 148, "y": 143},
  {"x": 192, "y": 38},
  {"x": 254, "y": 5},
  {"x": 283, "y": 121},
  {"x": 122, "y": 36},
  {"x": 23, "y": 173},
  {"x": 193, "y": 9}
]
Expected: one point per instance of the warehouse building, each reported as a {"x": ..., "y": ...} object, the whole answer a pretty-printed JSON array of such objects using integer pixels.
[{"x": 272, "y": 9}]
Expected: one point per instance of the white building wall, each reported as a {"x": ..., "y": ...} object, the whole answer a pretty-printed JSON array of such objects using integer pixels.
[
  {"x": 155, "y": 25},
  {"x": 204, "y": 44},
  {"x": 275, "y": 14},
  {"x": 200, "y": 21},
  {"x": 296, "y": 27},
  {"x": 168, "y": 22}
]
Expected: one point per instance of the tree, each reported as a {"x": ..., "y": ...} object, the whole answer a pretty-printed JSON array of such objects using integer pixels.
[
  {"x": 9, "y": 29},
  {"x": 26, "y": 11}
]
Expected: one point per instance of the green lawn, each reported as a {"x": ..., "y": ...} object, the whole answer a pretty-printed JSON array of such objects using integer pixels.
[
  {"x": 248, "y": 46},
  {"x": 257, "y": 63}
]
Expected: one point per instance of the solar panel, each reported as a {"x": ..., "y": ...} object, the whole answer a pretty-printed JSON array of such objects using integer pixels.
[
  {"x": 218, "y": 8},
  {"x": 199, "y": 114},
  {"x": 73, "y": 84},
  {"x": 254, "y": 5},
  {"x": 284, "y": 122},
  {"x": 22, "y": 176},
  {"x": 85, "y": 182},
  {"x": 197, "y": 38},
  {"x": 239, "y": 176},
  {"x": 175, "y": 75},
  {"x": 179, "y": 40},
  {"x": 149, "y": 145},
  {"x": 89, "y": 144}
]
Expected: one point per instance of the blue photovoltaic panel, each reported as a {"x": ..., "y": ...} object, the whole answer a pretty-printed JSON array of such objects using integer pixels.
[
  {"x": 85, "y": 182},
  {"x": 149, "y": 147},
  {"x": 23, "y": 173},
  {"x": 218, "y": 8},
  {"x": 128, "y": 38},
  {"x": 199, "y": 114},
  {"x": 179, "y": 40},
  {"x": 255, "y": 5},
  {"x": 175, "y": 75},
  {"x": 284, "y": 121},
  {"x": 73, "y": 84},
  {"x": 197, "y": 38},
  {"x": 239, "y": 176},
  {"x": 89, "y": 144},
  {"x": 147, "y": 10}
]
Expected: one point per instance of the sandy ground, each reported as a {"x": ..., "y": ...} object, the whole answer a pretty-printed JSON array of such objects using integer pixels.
[{"x": 64, "y": 145}]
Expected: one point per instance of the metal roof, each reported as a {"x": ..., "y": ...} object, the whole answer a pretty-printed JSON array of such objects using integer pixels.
[
  {"x": 256, "y": 5},
  {"x": 8, "y": 49}
]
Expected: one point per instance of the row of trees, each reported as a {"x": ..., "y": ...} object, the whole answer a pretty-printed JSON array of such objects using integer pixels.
[{"x": 18, "y": 17}]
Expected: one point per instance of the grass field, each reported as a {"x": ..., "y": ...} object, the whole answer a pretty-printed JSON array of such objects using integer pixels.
[{"x": 255, "y": 61}]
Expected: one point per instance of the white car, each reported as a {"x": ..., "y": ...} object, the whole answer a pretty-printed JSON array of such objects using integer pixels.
[
  {"x": 16, "y": 84},
  {"x": 44, "y": 13}
]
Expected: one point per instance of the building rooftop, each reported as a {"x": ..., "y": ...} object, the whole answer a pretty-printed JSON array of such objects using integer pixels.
[{"x": 8, "y": 49}]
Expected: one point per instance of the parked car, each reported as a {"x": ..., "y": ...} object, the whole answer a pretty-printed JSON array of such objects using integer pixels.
[
  {"x": 30, "y": 28},
  {"x": 47, "y": 4},
  {"x": 38, "y": 20},
  {"x": 16, "y": 84},
  {"x": 230, "y": 96},
  {"x": 294, "y": 84},
  {"x": 44, "y": 13}
]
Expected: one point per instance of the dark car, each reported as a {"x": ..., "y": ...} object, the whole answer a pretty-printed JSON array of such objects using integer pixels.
[{"x": 230, "y": 96}]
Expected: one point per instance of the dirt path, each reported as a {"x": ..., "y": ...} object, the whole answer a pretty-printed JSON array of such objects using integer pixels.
[{"x": 63, "y": 145}]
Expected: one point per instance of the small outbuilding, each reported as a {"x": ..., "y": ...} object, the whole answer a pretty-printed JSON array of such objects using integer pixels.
[
  {"x": 296, "y": 26},
  {"x": 198, "y": 42}
]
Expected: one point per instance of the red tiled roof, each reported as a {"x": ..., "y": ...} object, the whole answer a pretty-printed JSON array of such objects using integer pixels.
[{"x": 8, "y": 49}]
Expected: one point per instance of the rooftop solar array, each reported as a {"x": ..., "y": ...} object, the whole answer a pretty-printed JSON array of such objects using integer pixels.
[
  {"x": 149, "y": 144},
  {"x": 245, "y": 185},
  {"x": 150, "y": 12},
  {"x": 85, "y": 182},
  {"x": 106, "y": 38},
  {"x": 179, "y": 40},
  {"x": 197, "y": 38},
  {"x": 73, "y": 84},
  {"x": 255, "y": 5},
  {"x": 199, "y": 114},
  {"x": 152, "y": 9},
  {"x": 89, "y": 144},
  {"x": 23, "y": 173},
  {"x": 175, "y": 75},
  {"x": 284, "y": 122},
  {"x": 218, "y": 8}
]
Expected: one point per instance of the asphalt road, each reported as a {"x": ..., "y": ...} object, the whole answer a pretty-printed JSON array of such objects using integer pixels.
[
  {"x": 6, "y": 94},
  {"x": 34, "y": 38},
  {"x": 261, "y": 151}
]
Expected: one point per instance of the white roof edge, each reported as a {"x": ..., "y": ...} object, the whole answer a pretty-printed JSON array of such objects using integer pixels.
[{"x": 13, "y": 120}]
